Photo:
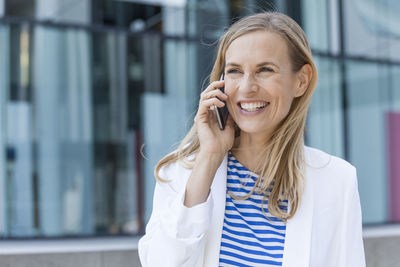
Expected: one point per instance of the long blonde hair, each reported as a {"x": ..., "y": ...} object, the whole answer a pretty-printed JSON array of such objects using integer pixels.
[{"x": 283, "y": 166}]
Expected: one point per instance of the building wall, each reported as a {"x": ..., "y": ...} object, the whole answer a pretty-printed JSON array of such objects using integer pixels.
[
  {"x": 88, "y": 111},
  {"x": 1, "y": 7},
  {"x": 4, "y": 72}
]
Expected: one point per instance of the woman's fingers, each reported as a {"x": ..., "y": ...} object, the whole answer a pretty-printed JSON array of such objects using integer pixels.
[
  {"x": 213, "y": 102},
  {"x": 209, "y": 99},
  {"x": 213, "y": 86},
  {"x": 206, "y": 105},
  {"x": 203, "y": 113},
  {"x": 214, "y": 93}
]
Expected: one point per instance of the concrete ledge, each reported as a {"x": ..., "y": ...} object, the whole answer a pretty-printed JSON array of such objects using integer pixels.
[
  {"x": 95, "y": 244},
  {"x": 382, "y": 248},
  {"x": 382, "y": 251},
  {"x": 78, "y": 259},
  {"x": 382, "y": 245},
  {"x": 387, "y": 230},
  {"x": 80, "y": 252}
]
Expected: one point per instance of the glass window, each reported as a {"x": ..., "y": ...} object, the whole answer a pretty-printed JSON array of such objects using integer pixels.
[
  {"x": 72, "y": 151},
  {"x": 4, "y": 81},
  {"x": 369, "y": 90},
  {"x": 315, "y": 15},
  {"x": 86, "y": 113},
  {"x": 371, "y": 28},
  {"x": 325, "y": 120},
  {"x": 167, "y": 118},
  {"x": 392, "y": 121}
]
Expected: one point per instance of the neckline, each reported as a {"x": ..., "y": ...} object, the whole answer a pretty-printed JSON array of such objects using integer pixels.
[{"x": 252, "y": 174}]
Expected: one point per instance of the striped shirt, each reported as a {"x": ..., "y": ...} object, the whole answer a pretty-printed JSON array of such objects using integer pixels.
[{"x": 249, "y": 238}]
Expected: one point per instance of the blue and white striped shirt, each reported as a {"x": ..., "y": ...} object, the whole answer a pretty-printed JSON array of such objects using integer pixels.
[{"x": 249, "y": 238}]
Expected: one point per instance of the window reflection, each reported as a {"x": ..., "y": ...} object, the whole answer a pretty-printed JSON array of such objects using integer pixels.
[{"x": 72, "y": 150}]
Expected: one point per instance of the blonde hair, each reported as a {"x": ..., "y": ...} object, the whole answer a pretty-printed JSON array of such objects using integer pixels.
[{"x": 282, "y": 175}]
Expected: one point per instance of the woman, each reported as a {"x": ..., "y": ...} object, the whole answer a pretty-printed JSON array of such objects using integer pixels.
[{"x": 253, "y": 194}]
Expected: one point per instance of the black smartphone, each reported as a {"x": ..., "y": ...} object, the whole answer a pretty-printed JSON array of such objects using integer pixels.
[{"x": 222, "y": 113}]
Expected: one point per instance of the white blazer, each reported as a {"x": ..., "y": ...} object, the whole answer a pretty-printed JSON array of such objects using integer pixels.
[{"x": 326, "y": 230}]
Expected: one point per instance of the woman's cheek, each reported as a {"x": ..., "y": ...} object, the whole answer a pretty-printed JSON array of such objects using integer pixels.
[{"x": 228, "y": 86}]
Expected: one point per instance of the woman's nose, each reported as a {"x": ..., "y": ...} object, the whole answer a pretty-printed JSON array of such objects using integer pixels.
[{"x": 248, "y": 84}]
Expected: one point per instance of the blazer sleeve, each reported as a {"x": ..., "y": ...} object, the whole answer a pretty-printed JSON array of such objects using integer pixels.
[
  {"x": 175, "y": 234},
  {"x": 353, "y": 245}
]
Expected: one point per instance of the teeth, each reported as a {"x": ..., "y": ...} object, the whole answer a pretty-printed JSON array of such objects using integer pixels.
[{"x": 252, "y": 106}]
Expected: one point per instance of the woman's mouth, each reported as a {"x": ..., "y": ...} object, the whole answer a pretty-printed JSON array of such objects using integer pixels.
[{"x": 252, "y": 106}]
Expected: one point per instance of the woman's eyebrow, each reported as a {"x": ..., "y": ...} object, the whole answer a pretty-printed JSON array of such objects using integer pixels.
[
  {"x": 267, "y": 63},
  {"x": 233, "y": 64}
]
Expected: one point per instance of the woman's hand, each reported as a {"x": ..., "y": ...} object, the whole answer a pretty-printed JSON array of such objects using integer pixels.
[
  {"x": 214, "y": 143},
  {"x": 213, "y": 140}
]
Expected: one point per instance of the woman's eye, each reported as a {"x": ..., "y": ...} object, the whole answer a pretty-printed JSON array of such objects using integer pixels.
[
  {"x": 265, "y": 69},
  {"x": 233, "y": 71}
]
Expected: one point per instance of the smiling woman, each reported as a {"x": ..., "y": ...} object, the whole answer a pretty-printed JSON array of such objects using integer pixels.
[
  {"x": 261, "y": 84},
  {"x": 253, "y": 194}
]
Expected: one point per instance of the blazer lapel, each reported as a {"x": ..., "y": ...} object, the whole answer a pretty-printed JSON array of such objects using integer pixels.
[
  {"x": 213, "y": 242},
  {"x": 298, "y": 229}
]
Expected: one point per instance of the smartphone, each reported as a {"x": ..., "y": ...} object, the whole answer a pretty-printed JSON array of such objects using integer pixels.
[{"x": 222, "y": 113}]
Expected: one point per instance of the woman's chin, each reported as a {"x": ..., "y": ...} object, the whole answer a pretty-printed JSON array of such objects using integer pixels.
[
  {"x": 252, "y": 129},
  {"x": 255, "y": 129}
]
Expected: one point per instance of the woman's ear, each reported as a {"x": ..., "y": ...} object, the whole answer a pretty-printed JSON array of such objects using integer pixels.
[{"x": 304, "y": 77}]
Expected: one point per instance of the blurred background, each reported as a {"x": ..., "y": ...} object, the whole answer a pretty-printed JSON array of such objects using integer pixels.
[{"x": 94, "y": 92}]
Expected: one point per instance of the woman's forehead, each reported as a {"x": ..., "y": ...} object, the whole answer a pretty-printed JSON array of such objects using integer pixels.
[{"x": 258, "y": 46}]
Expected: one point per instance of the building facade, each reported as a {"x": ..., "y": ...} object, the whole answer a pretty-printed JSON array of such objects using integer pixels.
[{"x": 93, "y": 93}]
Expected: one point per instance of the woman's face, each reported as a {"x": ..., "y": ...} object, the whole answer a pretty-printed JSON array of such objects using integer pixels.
[{"x": 259, "y": 81}]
